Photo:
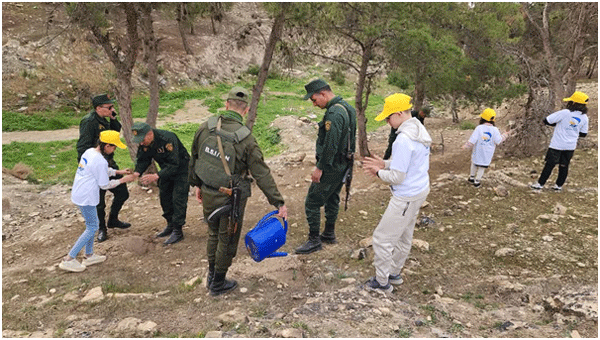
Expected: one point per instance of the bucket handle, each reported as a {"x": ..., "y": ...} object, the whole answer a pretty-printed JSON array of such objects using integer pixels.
[{"x": 262, "y": 220}]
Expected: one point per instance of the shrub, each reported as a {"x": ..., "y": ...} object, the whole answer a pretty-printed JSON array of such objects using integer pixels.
[
  {"x": 338, "y": 75},
  {"x": 395, "y": 78},
  {"x": 467, "y": 125}
]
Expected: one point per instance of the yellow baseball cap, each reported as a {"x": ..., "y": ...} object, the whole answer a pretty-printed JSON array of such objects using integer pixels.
[
  {"x": 488, "y": 114},
  {"x": 112, "y": 137},
  {"x": 397, "y": 102},
  {"x": 577, "y": 97}
]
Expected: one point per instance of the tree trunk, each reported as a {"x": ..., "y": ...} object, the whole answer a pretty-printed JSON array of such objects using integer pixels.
[
  {"x": 150, "y": 48},
  {"x": 592, "y": 66},
  {"x": 264, "y": 68},
  {"x": 454, "y": 110},
  {"x": 181, "y": 20},
  {"x": 361, "y": 119},
  {"x": 124, "y": 91}
]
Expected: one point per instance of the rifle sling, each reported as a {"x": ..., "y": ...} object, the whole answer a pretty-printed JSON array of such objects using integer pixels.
[{"x": 221, "y": 152}]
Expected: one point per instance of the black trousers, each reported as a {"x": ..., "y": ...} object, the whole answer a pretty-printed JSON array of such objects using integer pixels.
[
  {"x": 553, "y": 157},
  {"x": 121, "y": 195}
]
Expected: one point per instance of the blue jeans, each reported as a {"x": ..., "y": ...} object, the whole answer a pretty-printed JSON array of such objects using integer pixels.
[{"x": 91, "y": 226}]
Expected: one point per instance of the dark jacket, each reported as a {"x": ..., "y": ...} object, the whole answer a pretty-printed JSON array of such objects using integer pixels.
[
  {"x": 167, "y": 151},
  {"x": 89, "y": 131}
]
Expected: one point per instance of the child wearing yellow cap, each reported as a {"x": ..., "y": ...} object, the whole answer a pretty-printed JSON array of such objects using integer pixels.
[
  {"x": 569, "y": 124},
  {"x": 483, "y": 141},
  {"x": 93, "y": 174}
]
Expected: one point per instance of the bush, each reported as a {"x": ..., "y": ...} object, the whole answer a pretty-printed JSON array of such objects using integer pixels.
[
  {"x": 467, "y": 125},
  {"x": 395, "y": 78},
  {"x": 338, "y": 75},
  {"x": 253, "y": 70}
]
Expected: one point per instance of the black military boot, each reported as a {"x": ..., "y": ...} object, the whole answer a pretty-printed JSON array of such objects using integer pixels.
[
  {"x": 328, "y": 235},
  {"x": 102, "y": 235},
  {"x": 113, "y": 222},
  {"x": 211, "y": 275},
  {"x": 313, "y": 244},
  {"x": 166, "y": 232},
  {"x": 176, "y": 235},
  {"x": 220, "y": 285}
]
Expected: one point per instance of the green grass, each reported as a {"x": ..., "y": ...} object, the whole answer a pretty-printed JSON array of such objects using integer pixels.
[
  {"x": 14, "y": 121},
  {"x": 55, "y": 162}
]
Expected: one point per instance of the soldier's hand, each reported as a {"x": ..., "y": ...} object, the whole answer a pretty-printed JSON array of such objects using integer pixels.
[
  {"x": 149, "y": 178},
  {"x": 199, "y": 195},
  {"x": 282, "y": 212},
  {"x": 316, "y": 175}
]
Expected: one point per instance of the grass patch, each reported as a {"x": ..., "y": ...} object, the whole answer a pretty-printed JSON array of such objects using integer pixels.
[
  {"x": 467, "y": 125},
  {"x": 14, "y": 121}
]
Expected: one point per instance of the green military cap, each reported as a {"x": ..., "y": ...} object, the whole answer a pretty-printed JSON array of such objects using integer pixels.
[
  {"x": 139, "y": 131},
  {"x": 101, "y": 99},
  {"x": 313, "y": 87},
  {"x": 239, "y": 93}
]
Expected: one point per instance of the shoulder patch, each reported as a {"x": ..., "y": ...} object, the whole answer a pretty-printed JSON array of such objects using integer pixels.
[
  {"x": 101, "y": 126},
  {"x": 327, "y": 125},
  {"x": 169, "y": 147}
]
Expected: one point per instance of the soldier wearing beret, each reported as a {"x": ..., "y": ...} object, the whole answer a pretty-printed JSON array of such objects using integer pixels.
[
  {"x": 336, "y": 138},
  {"x": 172, "y": 157},
  {"x": 89, "y": 132}
]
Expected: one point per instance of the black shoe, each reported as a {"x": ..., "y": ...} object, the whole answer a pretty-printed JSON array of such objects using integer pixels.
[
  {"x": 328, "y": 238},
  {"x": 176, "y": 236},
  {"x": 220, "y": 285},
  {"x": 313, "y": 244},
  {"x": 166, "y": 232},
  {"x": 477, "y": 184},
  {"x": 118, "y": 224},
  {"x": 471, "y": 180},
  {"x": 102, "y": 236}
]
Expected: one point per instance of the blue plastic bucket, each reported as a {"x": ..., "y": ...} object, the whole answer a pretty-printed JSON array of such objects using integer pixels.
[{"x": 266, "y": 237}]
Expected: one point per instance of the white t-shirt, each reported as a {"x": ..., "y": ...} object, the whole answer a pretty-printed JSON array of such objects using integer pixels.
[
  {"x": 484, "y": 140},
  {"x": 412, "y": 158},
  {"x": 91, "y": 174},
  {"x": 568, "y": 126}
]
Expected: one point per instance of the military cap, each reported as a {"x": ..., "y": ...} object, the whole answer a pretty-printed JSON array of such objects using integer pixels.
[
  {"x": 139, "y": 131},
  {"x": 101, "y": 99},
  {"x": 239, "y": 93},
  {"x": 313, "y": 87}
]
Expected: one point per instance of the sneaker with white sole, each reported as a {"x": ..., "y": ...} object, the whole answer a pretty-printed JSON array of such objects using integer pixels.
[
  {"x": 374, "y": 286},
  {"x": 72, "y": 266},
  {"x": 395, "y": 279},
  {"x": 556, "y": 188},
  {"x": 88, "y": 261},
  {"x": 536, "y": 186}
]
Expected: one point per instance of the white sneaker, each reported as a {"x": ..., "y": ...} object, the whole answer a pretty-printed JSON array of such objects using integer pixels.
[
  {"x": 556, "y": 188},
  {"x": 536, "y": 186},
  {"x": 72, "y": 266},
  {"x": 88, "y": 261}
]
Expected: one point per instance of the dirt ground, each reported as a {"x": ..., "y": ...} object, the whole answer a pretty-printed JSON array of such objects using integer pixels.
[
  {"x": 457, "y": 285},
  {"x": 497, "y": 261}
]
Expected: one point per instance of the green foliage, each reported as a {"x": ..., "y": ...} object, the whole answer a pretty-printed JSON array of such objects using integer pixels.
[
  {"x": 253, "y": 70},
  {"x": 337, "y": 74},
  {"x": 14, "y": 121},
  {"x": 467, "y": 125},
  {"x": 396, "y": 78}
]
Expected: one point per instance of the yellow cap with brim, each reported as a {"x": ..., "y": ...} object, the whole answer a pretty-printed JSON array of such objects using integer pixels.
[
  {"x": 397, "y": 102},
  {"x": 112, "y": 137},
  {"x": 488, "y": 114},
  {"x": 577, "y": 97}
]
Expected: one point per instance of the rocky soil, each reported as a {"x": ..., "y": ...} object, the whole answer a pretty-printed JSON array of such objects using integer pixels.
[{"x": 497, "y": 261}]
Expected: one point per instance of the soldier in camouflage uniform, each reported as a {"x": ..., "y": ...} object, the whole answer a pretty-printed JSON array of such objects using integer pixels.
[
  {"x": 89, "y": 132},
  {"x": 337, "y": 137},
  {"x": 172, "y": 157},
  {"x": 207, "y": 170}
]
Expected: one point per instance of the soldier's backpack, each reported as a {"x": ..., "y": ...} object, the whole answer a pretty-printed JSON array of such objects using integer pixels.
[{"x": 214, "y": 167}]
